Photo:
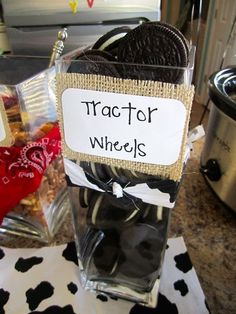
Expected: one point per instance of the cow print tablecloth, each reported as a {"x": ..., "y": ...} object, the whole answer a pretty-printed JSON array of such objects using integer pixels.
[{"x": 46, "y": 281}]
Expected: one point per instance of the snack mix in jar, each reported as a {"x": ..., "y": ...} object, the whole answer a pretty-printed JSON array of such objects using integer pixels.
[{"x": 33, "y": 189}]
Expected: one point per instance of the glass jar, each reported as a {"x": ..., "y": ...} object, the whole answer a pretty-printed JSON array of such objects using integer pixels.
[
  {"x": 120, "y": 240},
  {"x": 120, "y": 249},
  {"x": 32, "y": 171}
]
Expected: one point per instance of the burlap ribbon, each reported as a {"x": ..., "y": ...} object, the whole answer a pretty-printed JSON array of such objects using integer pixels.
[{"x": 181, "y": 92}]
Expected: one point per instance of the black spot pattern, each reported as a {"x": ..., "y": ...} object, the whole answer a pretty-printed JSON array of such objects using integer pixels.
[
  {"x": 183, "y": 262},
  {"x": 164, "y": 306},
  {"x": 181, "y": 286},
  {"x": 24, "y": 264},
  {"x": 35, "y": 296},
  {"x": 38, "y": 292},
  {"x": 102, "y": 297},
  {"x": 2, "y": 254},
  {"x": 4, "y": 297},
  {"x": 165, "y": 186},
  {"x": 54, "y": 309},
  {"x": 72, "y": 287},
  {"x": 69, "y": 253}
]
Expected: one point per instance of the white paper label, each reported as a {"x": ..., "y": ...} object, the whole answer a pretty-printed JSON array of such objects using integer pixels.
[
  {"x": 2, "y": 130},
  {"x": 128, "y": 127}
]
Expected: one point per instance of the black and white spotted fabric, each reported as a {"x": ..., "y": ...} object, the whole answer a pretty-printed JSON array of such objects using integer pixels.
[
  {"x": 158, "y": 192},
  {"x": 46, "y": 281}
]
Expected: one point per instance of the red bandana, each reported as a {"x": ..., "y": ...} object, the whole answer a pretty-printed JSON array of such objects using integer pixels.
[{"x": 22, "y": 168}]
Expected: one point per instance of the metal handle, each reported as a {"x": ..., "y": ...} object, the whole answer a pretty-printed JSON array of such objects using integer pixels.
[{"x": 58, "y": 46}]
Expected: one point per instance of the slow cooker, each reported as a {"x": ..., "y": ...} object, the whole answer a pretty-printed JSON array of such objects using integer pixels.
[{"x": 218, "y": 158}]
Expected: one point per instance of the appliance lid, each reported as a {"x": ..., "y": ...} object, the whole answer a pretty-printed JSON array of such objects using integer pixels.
[{"x": 222, "y": 90}]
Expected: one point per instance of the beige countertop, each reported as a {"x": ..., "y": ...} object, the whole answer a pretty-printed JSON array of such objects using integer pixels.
[{"x": 208, "y": 230}]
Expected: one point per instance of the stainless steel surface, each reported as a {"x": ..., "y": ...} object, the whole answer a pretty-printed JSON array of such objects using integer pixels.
[
  {"x": 220, "y": 145},
  {"x": 32, "y": 25},
  {"x": 4, "y": 43},
  {"x": 58, "y": 12},
  {"x": 39, "y": 40}
]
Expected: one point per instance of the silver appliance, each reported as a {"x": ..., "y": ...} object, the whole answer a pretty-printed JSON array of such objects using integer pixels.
[
  {"x": 32, "y": 26},
  {"x": 218, "y": 159}
]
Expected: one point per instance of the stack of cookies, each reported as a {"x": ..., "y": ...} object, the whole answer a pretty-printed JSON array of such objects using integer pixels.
[
  {"x": 152, "y": 51},
  {"x": 120, "y": 240}
]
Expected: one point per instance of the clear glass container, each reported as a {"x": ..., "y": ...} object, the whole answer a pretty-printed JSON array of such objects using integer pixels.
[
  {"x": 28, "y": 98},
  {"x": 119, "y": 254},
  {"x": 121, "y": 241}
]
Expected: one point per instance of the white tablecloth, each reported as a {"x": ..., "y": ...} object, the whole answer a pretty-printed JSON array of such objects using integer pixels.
[{"x": 55, "y": 274}]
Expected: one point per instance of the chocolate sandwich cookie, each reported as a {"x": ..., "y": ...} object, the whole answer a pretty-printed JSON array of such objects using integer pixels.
[
  {"x": 108, "y": 173},
  {"x": 80, "y": 198},
  {"x": 111, "y": 40},
  {"x": 125, "y": 176},
  {"x": 94, "y": 62},
  {"x": 155, "y": 212},
  {"x": 157, "y": 44},
  {"x": 135, "y": 177},
  {"x": 106, "y": 255},
  {"x": 156, "y": 216},
  {"x": 106, "y": 211},
  {"x": 178, "y": 33},
  {"x": 85, "y": 195},
  {"x": 141, "y": 246},
  {"x": 88, "y": 240},
  {"x": 117, "y": 174},
  {"x": 95, "y": 170}
]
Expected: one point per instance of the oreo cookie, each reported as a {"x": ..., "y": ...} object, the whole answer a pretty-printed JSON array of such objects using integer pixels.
[
  {"x": 155, "y": 212},
  {"x": 142, "y": 246},
  {"x": 125, "y": 176},
  {"x": 117, "y": 174},
  {"x": 85, "y": 195},
  {"x": 156, "y": 216},
  {"x": 111, "y": 40},
  {"x": 106, "y": 255},
  {"x": 178, "y": 33},
  {"x": 105, "y": 211},
  {"x": 94, "y": 62},
  {"x": 157, "y": 44},
  {"x": 88, "y": 240},
  {"x": 95, "y": 170}
]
